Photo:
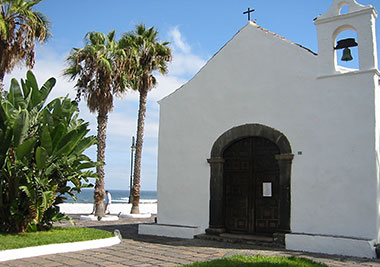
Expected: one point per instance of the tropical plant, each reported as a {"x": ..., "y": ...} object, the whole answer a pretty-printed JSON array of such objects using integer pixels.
[
  {"x": 150, "y": 56},
  {"x": 41, "y": 155},
  {"x": 20, "y": 27},
  {"x": 98, "y": 67}
]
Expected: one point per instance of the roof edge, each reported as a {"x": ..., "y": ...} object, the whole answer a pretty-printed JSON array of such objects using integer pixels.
[
  {"x": 249, "y": 23},
  {"x": 162, "y": 99}
]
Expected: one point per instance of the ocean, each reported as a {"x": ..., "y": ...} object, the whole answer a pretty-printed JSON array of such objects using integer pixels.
[{"x": 118, "y": 196}]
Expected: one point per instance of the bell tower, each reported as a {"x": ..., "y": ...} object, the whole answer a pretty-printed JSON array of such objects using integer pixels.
[{"x": 346, "y": 15}]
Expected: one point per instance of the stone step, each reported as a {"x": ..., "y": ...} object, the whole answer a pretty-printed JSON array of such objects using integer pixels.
[{"x": 276, "y": 240}]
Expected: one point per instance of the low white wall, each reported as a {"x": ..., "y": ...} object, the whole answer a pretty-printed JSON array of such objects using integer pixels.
[
  {"x": 178, "y": 231},
  {"x": 85, "y": 208},
  {"x": 331, "y": 245},
  {"x": 19, "y": 253}
]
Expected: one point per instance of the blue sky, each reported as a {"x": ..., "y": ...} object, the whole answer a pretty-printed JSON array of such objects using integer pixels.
[{"x": 196, "y": 30}]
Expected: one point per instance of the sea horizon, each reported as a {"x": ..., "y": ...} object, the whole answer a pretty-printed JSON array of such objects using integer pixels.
[{"x": 118, "y": 196}]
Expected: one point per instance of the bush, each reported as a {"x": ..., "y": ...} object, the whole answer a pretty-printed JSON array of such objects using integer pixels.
[{"x": 41, "y": 151}]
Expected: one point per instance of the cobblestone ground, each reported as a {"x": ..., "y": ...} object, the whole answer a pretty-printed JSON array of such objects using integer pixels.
[{"x": 135, "y": 250}]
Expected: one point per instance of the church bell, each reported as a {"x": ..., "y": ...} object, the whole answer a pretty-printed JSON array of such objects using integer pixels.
[
  {"x": 346, "y": 44},
  {"x": 347, "y": 55}
]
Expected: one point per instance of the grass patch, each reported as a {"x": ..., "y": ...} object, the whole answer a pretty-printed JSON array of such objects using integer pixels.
[
  {"x": 53, "y": 236},
  {"x": 258, "y": 260}
]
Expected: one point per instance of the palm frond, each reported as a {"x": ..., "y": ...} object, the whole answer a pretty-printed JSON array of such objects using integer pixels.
[
  {"x": 96, "y": 66},
  {"x": 20, "y": 27}
]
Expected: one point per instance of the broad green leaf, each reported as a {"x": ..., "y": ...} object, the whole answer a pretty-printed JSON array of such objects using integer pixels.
[
  {"x": 48, "y": 118},
  {"x": 35, "y": 98},
  {"x": 6, "y": 140},
  {"x": 90, "y": 174},
  {"x": 7, "y": 111},
  {"x": 46, "y": 140},
  {"x": 57, "y": 112},
  {"x": 84, "y": 144},
  {"x": 20, "y": 127},
  {"x": 70, "y": 140},
  {"x": 50, "y": 169},
  {"x": 84, "y": 157},
  {"x": 10, "y": 95},
  {"x": 67, "y": 144},
  {"x": 86, "y": 165},
  {"x": 67, "y": 107},
  {"x": 58, "y": 133},
  {"x": 41, "y": 158},
  {"x": 46, "y": 88},
  {"x": 15, "y": 95},
  {"x": 25, "y": 148},
  {"x": 47, "y": 197},
  {"x": 32, "y": 80},
  {"x": 52, "y": 103},
  {"x": 3, "y": 116}
]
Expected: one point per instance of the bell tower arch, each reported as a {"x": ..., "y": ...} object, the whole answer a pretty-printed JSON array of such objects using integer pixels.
[{"x": 346, "y": 15}]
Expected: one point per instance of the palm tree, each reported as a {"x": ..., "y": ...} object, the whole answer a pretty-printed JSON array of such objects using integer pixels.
[
  {"x": 19, "y": 29},
  {"x": 97, "y": 67},
  {"x": 150, "y": 56}
]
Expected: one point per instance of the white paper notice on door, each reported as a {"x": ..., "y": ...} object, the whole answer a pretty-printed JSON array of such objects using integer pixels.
[{"x": 267, "y": 189}]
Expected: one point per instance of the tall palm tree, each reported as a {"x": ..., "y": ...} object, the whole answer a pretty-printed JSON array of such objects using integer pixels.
[
  {"x": 97, "y": 67},
  {"x": 150, "y": 56},
  {"x": 20, "y": 27}
]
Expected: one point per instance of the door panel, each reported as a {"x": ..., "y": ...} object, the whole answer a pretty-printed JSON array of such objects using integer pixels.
[
  {"x": 249, "y": 163},
  {"x": 237, "y": 187}
]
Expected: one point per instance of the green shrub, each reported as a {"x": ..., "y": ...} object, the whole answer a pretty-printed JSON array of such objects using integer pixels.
[{"x": 41, "y": 155}]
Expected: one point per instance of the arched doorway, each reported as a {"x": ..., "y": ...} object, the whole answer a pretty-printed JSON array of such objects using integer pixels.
[{"x": 250, "y": 181}]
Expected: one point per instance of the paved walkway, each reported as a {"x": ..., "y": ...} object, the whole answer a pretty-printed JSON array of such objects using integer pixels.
[{"x": 135, "y": 250}]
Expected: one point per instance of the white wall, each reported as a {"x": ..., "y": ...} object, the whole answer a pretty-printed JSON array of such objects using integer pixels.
[
  {"x": 234, "y": 88},
  {"x": 334, "y": 182},
  {"x": 377, "y": 147}
]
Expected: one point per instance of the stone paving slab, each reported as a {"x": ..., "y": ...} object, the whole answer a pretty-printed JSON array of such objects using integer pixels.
[{"x": 137, "y": 250}]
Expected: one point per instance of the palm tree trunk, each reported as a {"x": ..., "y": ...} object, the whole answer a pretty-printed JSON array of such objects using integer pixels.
[
  {"x": 139, "y": 145},
  {"x": 99, "y": 193}
]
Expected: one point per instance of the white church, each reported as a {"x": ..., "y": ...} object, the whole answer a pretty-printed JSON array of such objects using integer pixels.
[{"x": 272, "y": 139}]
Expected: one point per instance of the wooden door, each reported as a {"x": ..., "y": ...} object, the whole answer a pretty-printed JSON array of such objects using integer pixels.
[{"x": 251, "y": 186}]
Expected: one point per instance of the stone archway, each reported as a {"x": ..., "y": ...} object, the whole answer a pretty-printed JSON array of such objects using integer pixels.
[{"x": 284, "y": 159}]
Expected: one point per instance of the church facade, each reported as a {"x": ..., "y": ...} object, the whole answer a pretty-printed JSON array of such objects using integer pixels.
[{"x": 270, "y": 137}]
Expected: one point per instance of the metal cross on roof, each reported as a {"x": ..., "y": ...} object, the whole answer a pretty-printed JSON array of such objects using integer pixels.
[{"x": 249, "y": 13}]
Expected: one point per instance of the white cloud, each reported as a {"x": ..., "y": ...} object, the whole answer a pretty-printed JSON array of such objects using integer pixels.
[
  {"x": 185, "y": 63},
  {"x": 179, "y": 41},
  {"x": 123, "y": 124}
]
